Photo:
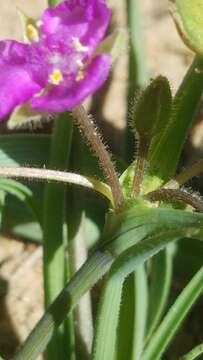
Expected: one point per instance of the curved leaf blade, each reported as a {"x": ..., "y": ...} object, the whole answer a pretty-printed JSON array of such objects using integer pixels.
[
  {"x": 174, "y": 318},
  {"x": 194, "y": 353},
  {"x": 161, "y": 275},
  {"x": 125, "y": 251},
  {"x": 189, "y": 20}
]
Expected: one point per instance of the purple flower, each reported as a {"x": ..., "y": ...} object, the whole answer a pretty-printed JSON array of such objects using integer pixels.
[{"x": 59, "y": 68}]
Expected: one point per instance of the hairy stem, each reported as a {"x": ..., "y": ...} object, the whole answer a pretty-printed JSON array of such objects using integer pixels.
[
  {"x": 175, "y": 195},
  {"x": 89, "y": 130},
  {"x": 140, "y": 167},
  {"x": 55, "y": 175}
]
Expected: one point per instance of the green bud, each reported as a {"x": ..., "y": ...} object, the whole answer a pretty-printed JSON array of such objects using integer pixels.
[{"x": 151, "y": 109}]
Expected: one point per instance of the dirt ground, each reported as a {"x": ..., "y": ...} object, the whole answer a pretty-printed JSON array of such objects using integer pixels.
[{"x": 20, "y": 263}]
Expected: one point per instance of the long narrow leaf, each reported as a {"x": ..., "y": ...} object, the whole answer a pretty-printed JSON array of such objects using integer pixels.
[
  {"x": 159, "y": 289},
  {"x": 141, "y": 304},
  {"x": 53, "y": 231},
  {"x": 107, "y": 321},
  {"x": 133, "y": 316},
  {"x": 194, "y": 353},
  {"x": 124, "y": 345},
  {"x": 23, "y": 193},
  {"x": 24, "y": 150},
  {"x": 155, "y": 227},
  {"x": 174, "y": 318},
  {"x": 137, "y": 71},
  {"x": 185, "y": 106}
]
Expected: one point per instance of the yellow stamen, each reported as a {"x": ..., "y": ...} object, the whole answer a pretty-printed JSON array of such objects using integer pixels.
[
  {"x": 56, "y": 77},
  {"x": 32, "y": 33},
  {"x": 78, "y": 46},
  {"x": 80, "y": 76}
]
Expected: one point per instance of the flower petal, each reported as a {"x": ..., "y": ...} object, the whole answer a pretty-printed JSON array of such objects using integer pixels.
[
  {"x": 16, "y": 83},
  {"x": 61, "y": 97},
  {"x": 86, "y": 20}
]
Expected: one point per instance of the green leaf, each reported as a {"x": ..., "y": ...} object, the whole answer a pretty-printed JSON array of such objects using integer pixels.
[
  {"x": 23, "y": 193},
  {"x": 194, "y": 353},
  {"x": 121, "y": 246},
  {"x": 150, "y": 182},
  {"x": 133, "y": 313},
  {"x": 144, "y": 220},
  {"x": 140, "y": 317},
  {"x": 188, "y": 17},
  {"x": 152, "y": 109},
  {"x": 24, "y": 150},
  {"x": 107, "y": 320},
  {"x": 184, "y": 108},
  {"x": 137, "y": 68},
  {"x": 160, "y": 282},
  {"x": 54, "y": 212},
  {"x": 174, "y": 318}
]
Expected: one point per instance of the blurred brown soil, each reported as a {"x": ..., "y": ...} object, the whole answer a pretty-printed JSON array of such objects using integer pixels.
[{"x": 21, "y": 294}]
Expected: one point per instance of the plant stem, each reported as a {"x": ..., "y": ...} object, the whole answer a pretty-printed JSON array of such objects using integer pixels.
[
  {"x": 140, "y": 167},
  {"x": 53, "y": 227},
  {"x": 170, "y": 195},
  {"x": 89, "y": 130},
  {"x": 194, "y": 353},
  {"x": 97, "y": 265},
  {"x": 58, "y": 176},
  {"x": 138, "y": 76},
  {"x": 137, "y": 70}
]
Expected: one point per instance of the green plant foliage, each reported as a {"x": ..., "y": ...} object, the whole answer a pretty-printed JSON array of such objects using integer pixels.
[
  {"x": 189, "y": 20},
  {"x": 152, "y": 109},
  {"x": 184, "y": 108},
  {"x": 194, "y": 353},
  {"x": 54, "y": 264},
  {"x": 23, "y": 193},
  {"x": 132, "y": 245},
  {"x": 174, "y": 318},
  {"x": 133, "y": 313},
  {"x": 24, "y": 149},
  {"x": 105, "y": 337},
  {"x": 160, "y": 282}
]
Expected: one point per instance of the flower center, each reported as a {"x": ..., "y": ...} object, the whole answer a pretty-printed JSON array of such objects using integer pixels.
[
  {"x": 67, "y": 64},
  {"x": 56, "y": 77}
]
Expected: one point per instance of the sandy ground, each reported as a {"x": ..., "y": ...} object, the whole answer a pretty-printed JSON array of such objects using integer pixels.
[{"x": 20, "y": 263}]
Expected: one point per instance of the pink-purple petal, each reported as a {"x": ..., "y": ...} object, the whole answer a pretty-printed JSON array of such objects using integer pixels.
[
  {"x": 16, "y": 83},
  {"x": 61, "y": 98},
  {"x": 84, "y": 19}
]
